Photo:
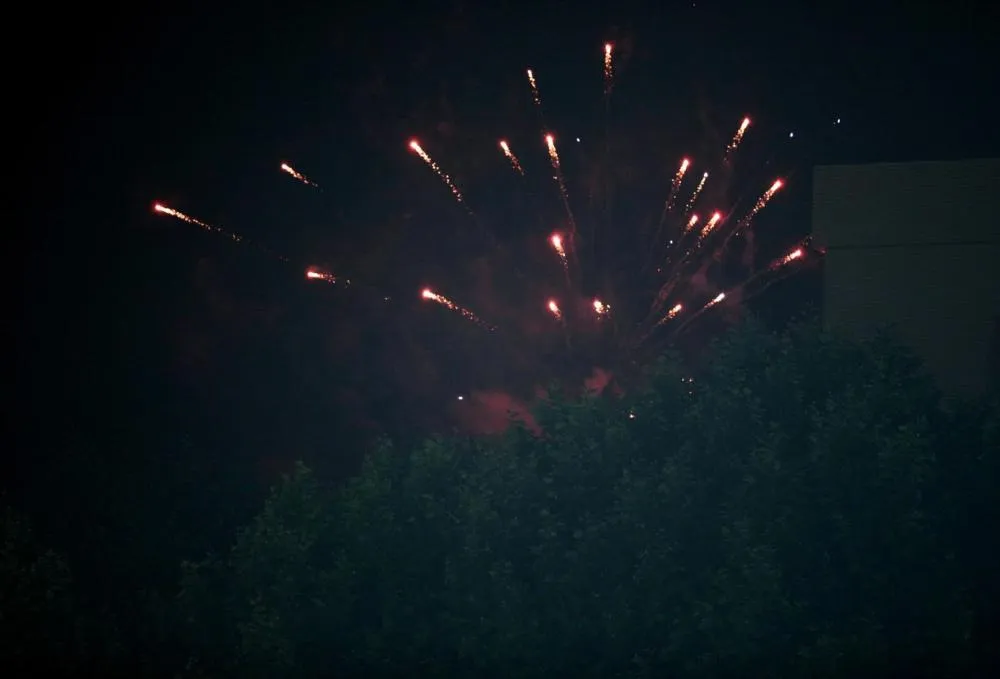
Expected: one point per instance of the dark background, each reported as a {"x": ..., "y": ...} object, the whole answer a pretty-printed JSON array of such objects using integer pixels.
[{"x": 150, "y": 351}]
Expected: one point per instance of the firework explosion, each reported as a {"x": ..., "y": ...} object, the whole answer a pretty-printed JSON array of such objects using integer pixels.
[{"x": 660, "y": 290}]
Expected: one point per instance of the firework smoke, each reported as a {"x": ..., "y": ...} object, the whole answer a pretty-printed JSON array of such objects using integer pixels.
[{"x": 660, "y": 299}]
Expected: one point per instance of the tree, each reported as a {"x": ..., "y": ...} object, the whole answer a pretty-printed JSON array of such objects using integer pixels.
[
  {"x": 792, "y": 510},
  {"x": 36, "y": 608}
]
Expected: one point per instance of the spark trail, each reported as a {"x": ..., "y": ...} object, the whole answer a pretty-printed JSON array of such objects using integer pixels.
[
  {"x": 745, "y": 222},
  {"x": 314, "y": 274},
  {"x": 761, "y": 203},
  {"x": 514, "y": 162},
  {"x": 690, "y": 319},
  {"x": 292, "y": 172},
  {"x": 609, "y": 71},
  {"x": 737, "y": 138},
  {"x": 672, "y": 313},
  {"x": 697, "y": 192},
  {"x": 429, "y": 294},
  {"x": 710, "y": 225},
  {"x": 676, "y": 271},
  {"x": 162, "y": 209},
  {"x": 795, "y": 255},
  {"x": 780, "y": 267},
  {"x": 554, "y": 309},
  {"x": 675, "y": 187},
  {"x": 550, "y": 143},
  {"x": 669, "y": 316},
  {"x": 177, "y": 214},
  {"x": 557, "y": 245},
  {"x": 416, "y": 148},
  {"x": 715, "y": 300},
  {"x": 535, "y": 96}
]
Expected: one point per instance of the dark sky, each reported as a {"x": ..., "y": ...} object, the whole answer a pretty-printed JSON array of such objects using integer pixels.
[{"x": 129, "y": 321}]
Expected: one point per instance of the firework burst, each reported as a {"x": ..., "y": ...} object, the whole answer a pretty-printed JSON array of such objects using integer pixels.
[
  {"x": 671, "y": 288},
  {"x": 659, "y": 280}
]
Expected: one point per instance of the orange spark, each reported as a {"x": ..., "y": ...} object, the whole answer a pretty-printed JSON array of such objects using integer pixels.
[
  {"x": 797, "y": 253},
  {"x": 761, "y": 202},
  {"x": 554, "y": 309},
  {"x": 696, "y": 193},
  {"x": 550, "y": 143},
  {"x": 511, "y": 157},
  {"x": 557, "y": 243},
  {"x": 715, "y": 300},
  {"x": 288, "y": 169},
  {"x": 670, "y": 315},
  {"x": 675, "y": 185},
  {"x": 609, "y": 72},
  {"x": 738, "y": 137},
  {"x": 429, "y": 294},
  {"x": 691, "y": 223},
  {"x": 177, "y": 214},
  {"x": 534, "y": 89},
  {"x": 711, "y": 224},
  {"x": 317, "y": 275},
  {"x": 416, "y": 148},
  {"x": 163, "y": 209},
  {"x": 600, "y": 308}
]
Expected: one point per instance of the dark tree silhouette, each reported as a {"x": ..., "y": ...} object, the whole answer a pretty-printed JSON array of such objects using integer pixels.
[{"x": 803, "y": 507}]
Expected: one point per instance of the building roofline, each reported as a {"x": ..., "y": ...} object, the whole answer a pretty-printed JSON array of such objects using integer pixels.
[{"x": 910, "y": 163}]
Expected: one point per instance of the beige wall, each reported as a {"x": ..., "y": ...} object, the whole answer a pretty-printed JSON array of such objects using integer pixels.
[{"x": 915, "y": 246}]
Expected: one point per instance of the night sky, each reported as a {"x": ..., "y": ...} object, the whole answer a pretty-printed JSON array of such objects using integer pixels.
[{"x": 141, "y": 333}]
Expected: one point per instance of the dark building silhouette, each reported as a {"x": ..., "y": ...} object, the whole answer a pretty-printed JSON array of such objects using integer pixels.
[{"x": 916, "y": 246}]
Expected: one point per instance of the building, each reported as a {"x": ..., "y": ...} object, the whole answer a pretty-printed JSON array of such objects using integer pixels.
[{"x": 916, "y": 246}]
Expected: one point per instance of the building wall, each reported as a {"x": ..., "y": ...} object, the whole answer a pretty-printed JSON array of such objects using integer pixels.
[{"x": 916, "y": 246}]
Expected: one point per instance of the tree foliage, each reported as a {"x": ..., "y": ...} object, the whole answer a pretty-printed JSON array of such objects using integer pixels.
[
  {"x": 804, "y": 506},
  {"x": 36, "y": 607}
]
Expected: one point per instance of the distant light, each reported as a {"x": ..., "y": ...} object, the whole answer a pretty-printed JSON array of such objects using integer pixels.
[
  {"x": 671, "y": 242},
  {"x": 461, "y": 398},
  {"x": 791, "y": 135},
  {"x": 577, "y": 140},
  {"x": 631, "y": 416},
  {"x": 838, "y": 122}
]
